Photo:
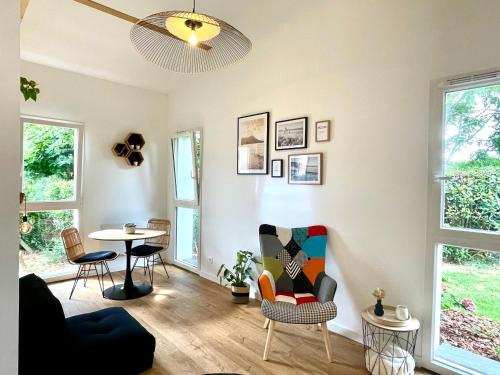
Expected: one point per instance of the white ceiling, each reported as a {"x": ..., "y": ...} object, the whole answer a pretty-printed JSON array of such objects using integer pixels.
[{"x": 68, "y": 35}]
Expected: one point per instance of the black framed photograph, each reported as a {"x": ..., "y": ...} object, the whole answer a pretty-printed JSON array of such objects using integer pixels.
[
  {"x": 253, "y": 144},
  {"x": 305, "y": 169},
  {"x": 323, "y": 131},
  {"x": 277, "y": 168},
  {"x": 291, "y": 134}
]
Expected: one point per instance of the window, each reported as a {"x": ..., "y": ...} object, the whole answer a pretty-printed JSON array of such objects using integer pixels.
[
  {"x": 463, "y": 228},
  {"x": 186, "y": 151},
  {"x": 51, "y": 171}
]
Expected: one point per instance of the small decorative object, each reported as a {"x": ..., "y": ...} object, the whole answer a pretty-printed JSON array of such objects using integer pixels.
[
  {"x": 323, "y": 131},
  {"x": 253, "y": 139},
  {"x": 305, "y": 169},
  {"x": 379, "y": 294},
  {"x": 29, "y": 89},
  {"x": 237, "y": 277},
  {"x": 137, "y": 147},
  {"x": 291, "y": 134},
  {"x": 129, "y": 228},
  {"x": 25, "y": 227},
  {"x": 402, "y": 312},
  {"x": 136, "y": 163},
  {"x": 277, "y": 168}
]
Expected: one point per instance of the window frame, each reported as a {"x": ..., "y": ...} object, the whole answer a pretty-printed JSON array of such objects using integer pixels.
[
  {"x": 77, "y": 202},
  {"x": 190, "y": 204},
  {"x": 437, "y": 234}
]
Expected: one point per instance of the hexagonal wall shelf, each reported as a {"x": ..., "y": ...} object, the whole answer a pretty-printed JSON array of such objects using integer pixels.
[
  {"x": 130, "y": 149},
  {"x": 120, "y": 149},
  {"x": 135, "y": 141},
  {"x": 135, "y": 158}
]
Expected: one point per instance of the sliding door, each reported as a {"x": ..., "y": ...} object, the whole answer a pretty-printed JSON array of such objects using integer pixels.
[
  {"x": 463, "y": 284},
  {"x": 186, "y": 150}
]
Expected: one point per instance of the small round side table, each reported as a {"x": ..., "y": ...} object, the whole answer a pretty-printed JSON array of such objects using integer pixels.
[{"x": 388, "y": 349}]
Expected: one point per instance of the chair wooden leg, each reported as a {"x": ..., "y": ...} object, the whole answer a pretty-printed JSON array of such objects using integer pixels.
[
  {"x": 266, "y": 323},
  {"x": 268, "y": 341},
  {"x": 326, "y": 336},
  {"x": 318, "y": 327}
]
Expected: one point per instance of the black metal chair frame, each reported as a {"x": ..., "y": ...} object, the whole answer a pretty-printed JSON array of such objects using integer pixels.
[
  {"x": 84, "y": 270},
  {"x": 148, "y": 262}
]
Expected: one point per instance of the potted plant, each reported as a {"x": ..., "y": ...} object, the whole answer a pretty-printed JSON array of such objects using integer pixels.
[{"x": 238, "y": 275}]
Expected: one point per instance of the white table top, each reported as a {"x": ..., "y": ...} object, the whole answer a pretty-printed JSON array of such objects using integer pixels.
[
  {"x": 412, "y": 325},
  {"x": 120, "y": 235}
]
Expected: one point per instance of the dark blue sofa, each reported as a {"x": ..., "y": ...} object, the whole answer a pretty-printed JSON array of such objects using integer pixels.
[{"x": 108, "y": 341}]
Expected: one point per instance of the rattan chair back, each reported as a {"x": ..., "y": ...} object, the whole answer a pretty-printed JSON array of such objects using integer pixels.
[
  {"x": 72, "y": 244},
  {"x": 159, "y": 224}
]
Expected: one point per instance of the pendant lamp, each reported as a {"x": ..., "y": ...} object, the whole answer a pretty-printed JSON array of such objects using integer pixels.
[
  {"x": 188, "y": 42},
  {"x": 25, "y": 227}
]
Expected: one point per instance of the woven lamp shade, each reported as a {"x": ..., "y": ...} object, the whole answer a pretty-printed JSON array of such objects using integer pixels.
[{"x": 163, "y": 39}]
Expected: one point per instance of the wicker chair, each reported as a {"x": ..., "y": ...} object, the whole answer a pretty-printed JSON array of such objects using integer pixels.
[
  {"x": 150, "y": 251},
  {"x": 86, "y": 261}
]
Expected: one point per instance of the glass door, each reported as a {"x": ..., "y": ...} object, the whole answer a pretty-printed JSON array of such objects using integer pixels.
[
  {"x": 464, "y": 229},
  {"x": 186, "y": 152}
]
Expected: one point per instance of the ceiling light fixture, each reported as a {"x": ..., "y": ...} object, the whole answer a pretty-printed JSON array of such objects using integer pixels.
[{"x": 188, "y": 42}]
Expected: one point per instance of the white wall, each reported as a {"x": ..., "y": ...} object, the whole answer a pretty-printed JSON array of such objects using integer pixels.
[
  {"x": 10, "y": 185},
  {"x": 367, "y": 66},
  {"x": 113, "y": 193}
]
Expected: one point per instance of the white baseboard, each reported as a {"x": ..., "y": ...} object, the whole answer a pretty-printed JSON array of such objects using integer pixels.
[
  {"x": 346, "y": 332},
  {"x": 210, "y": 277}
]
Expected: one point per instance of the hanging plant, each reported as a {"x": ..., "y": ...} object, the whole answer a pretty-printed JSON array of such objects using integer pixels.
[{"x": 29, "y": 89}]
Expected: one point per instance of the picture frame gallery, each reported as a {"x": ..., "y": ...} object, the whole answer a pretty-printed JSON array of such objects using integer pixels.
[{"x": 291, "y": 134}]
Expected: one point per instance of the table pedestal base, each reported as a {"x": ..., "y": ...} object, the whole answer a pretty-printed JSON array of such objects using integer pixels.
[{"x": 118, "y": 292}]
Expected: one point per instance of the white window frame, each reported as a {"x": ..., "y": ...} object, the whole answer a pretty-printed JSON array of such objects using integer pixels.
[
  {"x": 75, "y": 204},
  {"x": 193, "y": 204},
  {"x": 436, "y": 233}
]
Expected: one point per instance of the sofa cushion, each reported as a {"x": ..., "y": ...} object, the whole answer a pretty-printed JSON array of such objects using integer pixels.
[
  {"x": 112, "y": 340},
  {"x": 42, "y": 327}
]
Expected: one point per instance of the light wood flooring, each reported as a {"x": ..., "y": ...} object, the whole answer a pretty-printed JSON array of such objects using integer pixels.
[{"x": 198, "y": 330}]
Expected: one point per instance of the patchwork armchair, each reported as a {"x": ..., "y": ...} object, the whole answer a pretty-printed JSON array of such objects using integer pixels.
[{"x": 293, "y": 285}]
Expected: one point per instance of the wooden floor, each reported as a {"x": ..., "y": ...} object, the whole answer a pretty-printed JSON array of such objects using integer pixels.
[{"x": 198, "y": 330}]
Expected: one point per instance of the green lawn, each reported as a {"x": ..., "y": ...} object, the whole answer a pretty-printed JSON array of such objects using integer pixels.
[{"x": 479, "y": 283}]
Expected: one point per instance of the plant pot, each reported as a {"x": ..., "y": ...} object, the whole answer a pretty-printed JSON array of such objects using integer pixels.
[{"x": 240, "y": 294}]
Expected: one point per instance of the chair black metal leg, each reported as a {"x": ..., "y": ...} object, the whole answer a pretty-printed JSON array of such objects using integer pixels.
[
  {"x": 109, "y": 272},
  {"x": 99, "y": 279},
  {"x": 132, "y": 270},
  {"x": 76, "y": 280},
  {"x": 144, "y": 262},
  {"x": 165, "y": 268}
]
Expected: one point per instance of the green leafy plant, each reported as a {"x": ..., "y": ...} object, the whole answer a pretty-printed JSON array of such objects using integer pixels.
[
  {"x": 29, "y": 89},
  {"x": 241, "y": 271}
]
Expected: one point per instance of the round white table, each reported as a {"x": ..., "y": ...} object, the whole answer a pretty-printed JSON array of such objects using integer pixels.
[{"x": 128, "y": 290}]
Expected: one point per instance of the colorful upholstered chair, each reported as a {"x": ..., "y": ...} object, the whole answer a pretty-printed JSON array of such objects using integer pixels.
[{"x": 293, "y": 285}]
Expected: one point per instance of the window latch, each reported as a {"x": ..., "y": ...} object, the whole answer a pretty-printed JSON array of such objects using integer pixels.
[{"x": 438, "y": 178}]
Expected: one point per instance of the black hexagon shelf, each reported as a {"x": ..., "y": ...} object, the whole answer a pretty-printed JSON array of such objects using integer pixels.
[
  {"x": 120, "y": 149},
  {"x": 135, "y": 141},
  {"x": 135, "y": 158}
]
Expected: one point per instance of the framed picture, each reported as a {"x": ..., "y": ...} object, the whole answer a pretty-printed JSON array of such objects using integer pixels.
[
  {"x": 323, "y": 131},
  {"x": 277, "y": 168},
  {"x": 305, "y": 169},
  {"x": 253, "y": 144},
  {"x": 291, "y": 134}
]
